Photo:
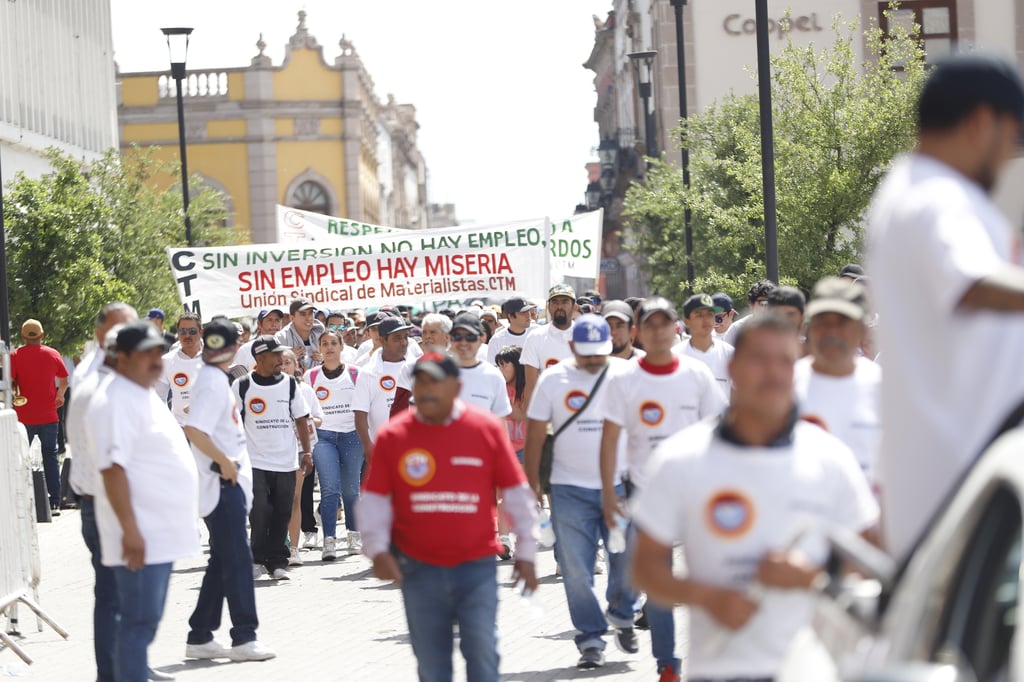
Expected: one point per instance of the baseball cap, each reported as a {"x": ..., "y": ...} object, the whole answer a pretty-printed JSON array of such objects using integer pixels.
[
  {"x": 300, "y": 304},
  {"x": 265, "y": 312},
  {"x": 391, "y": 324},
  {"x": 485, "y": 312},
  {"x": 723, "y": 301},
  {"x": 657, "y": 304},
  {"x": 139, "y": 336},
  {"x": 516, "y": 304},
  {"x": 852, "y": 270},
  {"x": 219, "y": 338},
  {"x": 437, "y": 365},
  {"x": 561, "y": 290},
  {"x": 618, "y": 309},
  {"x": 31, "y": 329},
  {"x": 838, "y": 295},
  {"x": 373, "y": 319},
  {"x": 266, "y": 344},
  {"x": 155, "y": 314},
  {"x": 698, "y": 302},
  {"x": 469, "y": 322},
  {"x": 591, "y": 335}
]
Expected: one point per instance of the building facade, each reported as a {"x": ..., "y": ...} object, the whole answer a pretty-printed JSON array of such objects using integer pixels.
[
  {"x": 308, "y": 133},
  {"x": 56, "y": 82}
]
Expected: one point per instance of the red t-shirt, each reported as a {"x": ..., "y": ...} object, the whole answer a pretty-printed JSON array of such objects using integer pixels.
[
  {"x": 36, "y": 368},
  {"x": 442, "y": 480}
]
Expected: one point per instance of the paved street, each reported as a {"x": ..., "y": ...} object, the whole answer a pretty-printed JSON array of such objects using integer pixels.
[{"x": 330, "y": 621}]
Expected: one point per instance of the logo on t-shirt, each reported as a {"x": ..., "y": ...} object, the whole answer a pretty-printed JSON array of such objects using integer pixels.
[
  {"x": 574, "y": 400},
  {"x": 388, "y": 382},
  {"x": 417, "y": 467},
  {"x": 651, "y": 412},
  {"x": 322, "y": 393},
  {"x": 730, "y": 514},
  {"x": 550, "y": 362},
  {"x": 257, "y": 405},
  {"x": 181, "y": 380}
]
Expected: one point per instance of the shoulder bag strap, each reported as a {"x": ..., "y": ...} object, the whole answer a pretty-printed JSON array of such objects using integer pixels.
[{"x": 578, "y": 412}]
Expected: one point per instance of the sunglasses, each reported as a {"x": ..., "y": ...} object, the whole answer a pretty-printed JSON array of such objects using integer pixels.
[
  {"x": 465, "y": 337},
  {"x": 191, "y": 331},
  {"x": 719, "y": 319},
  {"x": 337, "y": 327}
]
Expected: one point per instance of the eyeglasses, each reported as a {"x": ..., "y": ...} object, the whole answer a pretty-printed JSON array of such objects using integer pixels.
[
  {"x": 465, "y": 337},
  {"x": 191, "y": 331},
  {"x": 337, "y": 327},
  {"x": 763, "y": 303}
]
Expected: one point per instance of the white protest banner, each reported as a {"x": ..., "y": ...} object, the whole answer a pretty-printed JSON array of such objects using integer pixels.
[
  {"x": 296, "y": 225},
  {"x": 409, "y": 268}
]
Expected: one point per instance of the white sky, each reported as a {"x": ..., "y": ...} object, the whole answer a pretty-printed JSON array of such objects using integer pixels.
[{"x": 504, "y": 105}]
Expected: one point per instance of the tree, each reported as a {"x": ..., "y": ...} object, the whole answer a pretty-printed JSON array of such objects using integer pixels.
[
  {"x": 837, "y": 128},
  {"x": 89, "y": 233}
]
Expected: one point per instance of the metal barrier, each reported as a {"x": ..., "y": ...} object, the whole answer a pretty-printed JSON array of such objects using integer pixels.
[{"x": 19, "y": 545}]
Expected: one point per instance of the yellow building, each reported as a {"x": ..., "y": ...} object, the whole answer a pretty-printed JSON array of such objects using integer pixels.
[{"x": 304, "y": 134}]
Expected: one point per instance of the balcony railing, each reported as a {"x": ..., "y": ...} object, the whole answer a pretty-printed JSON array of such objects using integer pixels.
[{"x": 198, "y": 84}]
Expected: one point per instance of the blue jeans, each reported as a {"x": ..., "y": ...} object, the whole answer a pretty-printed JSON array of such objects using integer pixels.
[
  {"x": 51, "y": 467},
  {"x": 338, "y": 456},
  {"x": 228, "y": 574},
  {"x": 105, "y": 608},
  {"x": 142, "y": 595},
  {"x": 438, "y": 596},
  {"x": 660, "y": 619},
  {"x": 578, "y": 520}
]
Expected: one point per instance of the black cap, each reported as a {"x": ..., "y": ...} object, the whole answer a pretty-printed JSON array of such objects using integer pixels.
[
  {"x": 373, "y": 319},
  {"x": 960, "y": 83},
  {"x": 468, "y": 321},
  {"x": 516, "y": 304},
  {"x": 437, "y": 365},
  {"x": 618, "y": 309},
  {"x": 218, "y": 334},
  {"x": 853, "y": 271},
  {"x": 300, "y": 304},
  {"x": 697, "y": 302},
  {"x": 265, "y": 312},
  {"x": 723, "y": 301},
  {"x": 656, "y": 304},
  {"x": 392, "y": 324},
  {"x": 266, "y": 344},
  {"x": 139, "y": 336}
]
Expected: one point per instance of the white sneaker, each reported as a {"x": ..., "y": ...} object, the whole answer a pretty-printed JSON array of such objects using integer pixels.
[
  {"x": 355, "y": 543},
  {"x": 294, "y": 558},
  {"x": 599, "y": 565},
  {"x": 210, "y": 650},
  {"x": 309, "y": 540},
  {"x": 251, "y": 651},
  {"x": 329, "y": 553},
  {"x": 280, "y": 574},
  {"x": 154, "y": 674},
  {"x": 258, "y": 571}
]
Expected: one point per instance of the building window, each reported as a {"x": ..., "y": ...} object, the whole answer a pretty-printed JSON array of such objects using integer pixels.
[
  {"x": 937, "y": 19},
  {"x": 310, "y": 196}
]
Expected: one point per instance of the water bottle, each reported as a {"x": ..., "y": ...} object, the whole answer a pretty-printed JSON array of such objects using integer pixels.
[
  {"x": 547, "y": 533},
  {"x": 617, "y": 535}
]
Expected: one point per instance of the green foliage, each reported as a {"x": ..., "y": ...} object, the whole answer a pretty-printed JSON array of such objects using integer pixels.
[
  {"x": 90, "y": 233},
  {"x": 838, "y": 125}
]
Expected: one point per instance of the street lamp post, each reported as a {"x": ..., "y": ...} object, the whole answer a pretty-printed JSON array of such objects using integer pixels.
[
  {"x": 681, "y": 68},
  {"x": 764, "y": 84},
  {"x": 644, "y": 63},
  {"x": 608, "y": 153},
  {"x": 177, "y": 46}
]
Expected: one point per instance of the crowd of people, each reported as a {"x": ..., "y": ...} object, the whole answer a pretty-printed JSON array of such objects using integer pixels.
[{"x": 437, "y": 439}]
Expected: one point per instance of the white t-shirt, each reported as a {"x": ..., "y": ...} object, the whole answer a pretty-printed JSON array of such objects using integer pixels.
[
  {"x": 315, "y": 412},
  {"x": 375, "y": 391},
  {"x": 560, "y": 393},
  {"x": 269, "y": 415},
  {"x": 730, "y": 334},
  {"x": 214, "y": 411},
  {"x": 504, "y": 337},
  {"x": 179, "y": 375},
  {"x": 134, "y": 430},
  {"x": 83, "y": 472},
  {"x": 367, "y": 354},
  {"x": 484, "y": 386},
  {"x": 729, "y": 505},
  {"x": 849, "y": 406},
  {"x": 951, "y": 376},
  {"x": 651, "y": 407},
  {"x": 546, "y": 346},
  {"x": 335, "y": 397},
  {"x": 716, "y": 358}
]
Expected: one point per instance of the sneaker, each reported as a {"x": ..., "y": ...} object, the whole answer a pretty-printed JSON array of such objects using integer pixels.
[
  {"x": 590, "y": 658},
  {"x": 355, "y": 543},
  {"x": 210, "y": 650},
  {"x": 54, "y": 510},
  {"x": 309, "y": 540},
  {"x": 280, "y": 574},
  {"x": 668, "y": 674},
  {"x": 641, "y": 622},
  {"x": 258, "y": 571},
  {"x": 251, "y": 651},
  {"x": 625, "y": 640},
  {"x": 506, "y": 547},
  {"x": 294, "y": 558},
  {"x": 329, "y": 553},
  {"x": 152, "y": 674}
]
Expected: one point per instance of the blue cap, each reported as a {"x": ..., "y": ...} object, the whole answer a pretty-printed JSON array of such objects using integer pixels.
[
  {"x": 591, "y": 335},
  {"x": 155, "y": 313}
]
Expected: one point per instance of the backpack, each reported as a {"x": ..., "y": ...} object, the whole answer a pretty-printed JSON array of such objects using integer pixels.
[{"x": 246, "y": 381}]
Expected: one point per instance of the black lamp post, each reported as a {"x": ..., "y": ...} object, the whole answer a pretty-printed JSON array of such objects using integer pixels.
[
  {"x": 764, "y": 84},
  {"x": 177, "y": 46},
  {"x": 644, "y": 63},
  {"x": 593, "y": 195},
  {"x": 681, "y": 68}
]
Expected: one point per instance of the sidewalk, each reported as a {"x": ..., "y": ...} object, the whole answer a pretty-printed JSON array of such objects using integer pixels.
[{"x": 331, "y": 621}]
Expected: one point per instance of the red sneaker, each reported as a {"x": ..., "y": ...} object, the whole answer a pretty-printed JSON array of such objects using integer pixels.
[{"x": 669, "y": 674}]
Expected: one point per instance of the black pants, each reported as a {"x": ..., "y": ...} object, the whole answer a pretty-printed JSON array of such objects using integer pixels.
[
  {"x": 306, "y": 503},
  {"x": 272, "y": 494}
]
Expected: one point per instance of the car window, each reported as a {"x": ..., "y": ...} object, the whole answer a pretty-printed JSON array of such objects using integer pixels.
[{"x": 982, "y": 606}]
